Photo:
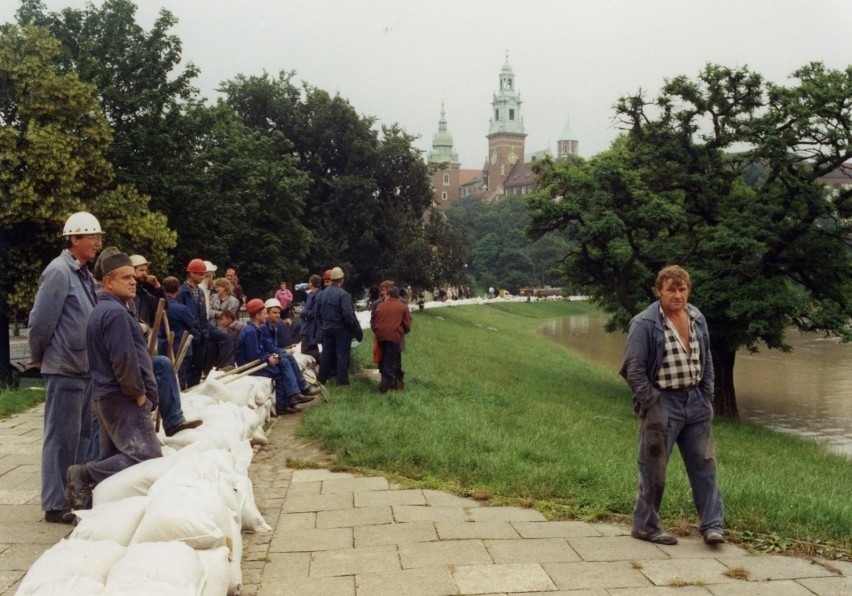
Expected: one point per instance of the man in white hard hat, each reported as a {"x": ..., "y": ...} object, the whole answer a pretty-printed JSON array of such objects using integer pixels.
[
  {"x": 57, "y": 338},
  {"x": 336, "y": 317}
]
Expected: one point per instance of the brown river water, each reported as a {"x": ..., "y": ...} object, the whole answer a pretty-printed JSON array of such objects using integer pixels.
[{"x": 807, "y": 392}]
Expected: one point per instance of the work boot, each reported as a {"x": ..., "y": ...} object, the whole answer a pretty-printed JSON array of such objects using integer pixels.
[
  {"x": 78, "y": 487},
  {"x": 300, "y": 398},
  {"x": 60, "y": 516},
  {"x": 311, "y": 390},
  {"x": 183, "y": 426}
]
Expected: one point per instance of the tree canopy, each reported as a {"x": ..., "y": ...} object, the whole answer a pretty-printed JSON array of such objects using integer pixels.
[{"x": 720, "y": 175}]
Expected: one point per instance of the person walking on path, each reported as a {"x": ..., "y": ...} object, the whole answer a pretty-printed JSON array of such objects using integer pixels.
[
  {"x": 336, "y": 318},
  {"x": 124, "y": 389},
  {"x": 668, "y": 365},
  {"x": 57, "y": 338},
  {"x": 390, "y": 323}
]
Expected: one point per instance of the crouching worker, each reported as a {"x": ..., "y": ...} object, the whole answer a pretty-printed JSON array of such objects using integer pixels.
[
  {"x": 124, "y": 389},
  {"x": 253, "y": 345}
]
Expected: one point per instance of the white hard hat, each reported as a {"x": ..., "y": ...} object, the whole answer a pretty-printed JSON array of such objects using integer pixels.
[
  {"x": 137, "y": 260},
  {"x": 273, "y": 302},
  {"x": 81, "y": 223},
  {"x": 211, "y": 268}
]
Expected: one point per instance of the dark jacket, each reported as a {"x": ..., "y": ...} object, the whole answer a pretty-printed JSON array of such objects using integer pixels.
[
  {"x": 251, "y": 345},
  {"x": 196, "y": 304},
  {"x": 181, "y": 320},
  {"x": 146, "y": 300},
  {"x": 336, "y": 311},
  {"x": 310, "y": 329},
  {"x": 118, "y": 357},
  {"x": 643, "y": 356}
]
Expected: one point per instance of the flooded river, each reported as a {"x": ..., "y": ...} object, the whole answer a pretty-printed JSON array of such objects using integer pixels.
[{"x": 807, "y": 392}]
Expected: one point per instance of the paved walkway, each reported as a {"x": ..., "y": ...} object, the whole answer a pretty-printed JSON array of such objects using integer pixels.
[{"x": 337, "y": 533}]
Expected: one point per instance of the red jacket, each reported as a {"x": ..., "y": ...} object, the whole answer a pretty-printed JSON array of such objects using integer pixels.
[{"x": 392, "y": 320}]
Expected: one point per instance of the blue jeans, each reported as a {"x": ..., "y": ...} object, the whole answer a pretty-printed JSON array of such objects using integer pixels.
[
  {"x": 127, "y": 436},
  {"x": 167, "y": 389},
  {"x": 289, "y": 359},
  {"x": 286, "y": 384},
  {"x": 67, "y": 434},
  {"x": 683, "y": 417},
  {"x": 336, "y": 344}
]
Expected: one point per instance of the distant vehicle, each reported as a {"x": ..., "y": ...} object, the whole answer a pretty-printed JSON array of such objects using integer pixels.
[{"x": 541, "y": 292}]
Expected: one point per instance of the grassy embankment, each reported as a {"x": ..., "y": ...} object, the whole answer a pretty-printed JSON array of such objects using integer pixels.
[
  {"x": 13, "y": 401},
  {"x": 493, "y": 410}
]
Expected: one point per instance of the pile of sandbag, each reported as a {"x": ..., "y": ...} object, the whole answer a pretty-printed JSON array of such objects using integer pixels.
[{"x": 171, "y": 525}]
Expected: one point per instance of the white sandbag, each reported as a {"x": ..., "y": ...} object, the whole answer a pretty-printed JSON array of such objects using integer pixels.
[
  {"x": 224, "y": 459},
  {"x": 234, "y": 392},
  {"x": 185, "y": 437},
  {"x": 75, "y": 585},
  {"x": 235, "y": 583},
  {"x": 116, "y": 520},
  {"x": 131, "y": 482},
  {"x": 305, "y": 361},
  {"x": 173, "y": 567},
  {"x": 243, "y": 454},
  {"x": 260, "y": 395},
  {"x": 252, "y": 520},
  {"x": 195, "y": 401},
  {"x": 218, "y": 570},
  {"x": 194, "y": 513},
  {"x": 69, "y": 558},
  {"x": 259, "y": 437}
]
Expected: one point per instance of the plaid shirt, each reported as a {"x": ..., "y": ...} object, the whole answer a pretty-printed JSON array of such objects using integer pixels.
[{"x": 679, "y": 369}]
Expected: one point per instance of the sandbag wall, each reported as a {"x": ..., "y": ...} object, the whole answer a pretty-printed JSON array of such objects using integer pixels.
[{"x": 171, "y": 525}]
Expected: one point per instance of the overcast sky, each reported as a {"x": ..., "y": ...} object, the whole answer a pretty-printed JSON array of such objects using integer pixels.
[{"x": 399, "y": 59}]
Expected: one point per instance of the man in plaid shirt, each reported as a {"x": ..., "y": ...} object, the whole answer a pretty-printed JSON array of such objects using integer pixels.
[{"x": 668, "y": 365}]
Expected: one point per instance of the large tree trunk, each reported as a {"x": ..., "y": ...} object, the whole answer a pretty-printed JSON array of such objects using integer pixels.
[
  {"x": 725, "y": 397},
  {"x": 5, "y": 356}
]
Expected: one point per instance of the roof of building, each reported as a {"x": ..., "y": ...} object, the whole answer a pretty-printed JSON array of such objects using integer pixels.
[
  {"x": 468, "y": 175},
  {"x": 521, "y": 175}
]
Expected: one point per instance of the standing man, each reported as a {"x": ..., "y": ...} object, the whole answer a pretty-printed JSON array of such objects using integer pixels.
[
  {"x": 191, "y": 295},
  {"x": 310, "y": 331},
  {"x": 390, "y": 323},
  {"x": 236, "y": 288},
  {"x": 668, "y": 365},
  {"x": 336, "y": 317},
  {"x": 124, "y": 390},
  {"x": 57, "y": 338},
  {"x": 148, "y": 292}
]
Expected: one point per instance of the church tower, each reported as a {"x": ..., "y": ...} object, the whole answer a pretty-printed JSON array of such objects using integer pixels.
[
  {"x": 506, "y": 132},
  {"x": 567, "y": 145},
  {"x": 444, "y": 160}
]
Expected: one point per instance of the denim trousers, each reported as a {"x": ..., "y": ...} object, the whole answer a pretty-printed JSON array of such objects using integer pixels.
[
  {"x": 683, "y": 417},
  {"x": 336, "y": 344},
  {"x": 285, "y": 383},
  {"x": 167, "y": 389},
  {"x": 67, "y": 434},
  {"x": 127, "y": 436}
]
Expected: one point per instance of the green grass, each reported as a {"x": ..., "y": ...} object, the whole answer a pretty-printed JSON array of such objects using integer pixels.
[
  {"x": 13, "y": 401},
  {"x": 493, "y": 409}
]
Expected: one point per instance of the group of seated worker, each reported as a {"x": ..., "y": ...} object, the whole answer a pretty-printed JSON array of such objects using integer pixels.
[{"x": 258, "y": 340}]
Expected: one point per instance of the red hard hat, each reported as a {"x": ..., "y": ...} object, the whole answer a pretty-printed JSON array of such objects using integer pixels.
[
  {"x": 327, "y": 274},
  {"x": 254, "y": 306},
  {"x": 196, "y": 266}
]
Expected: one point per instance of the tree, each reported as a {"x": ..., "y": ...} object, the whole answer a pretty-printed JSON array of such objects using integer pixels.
[
  {"x": 367, "y": 192},
  {"x": 718, "y": 175},
  {"x": 53, "y": 137}
]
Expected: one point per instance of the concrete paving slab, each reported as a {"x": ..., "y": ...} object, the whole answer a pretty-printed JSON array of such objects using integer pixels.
[
  {"x": 284, "y": 566},
  {"x": 29, "y": 512},
  {"x": 358, "y": 516},
  {"x": 412, "y": 513},
  {"x": 296, "y": 521},
  {"x": 565, "y": 593},
  {"x": 318, "y": 586},
  {"x": 21, "y": 477},
  {"x": 436, "y": 498},
  {"x": 351, "y": 561},
  {"x": 19, "y": 557},
  {"x": 317, "y": 474},
  {"x": 779, "y": 588},
  {"x": 375, "y": 498},
  {"x": 507, "y": 514},
  {"x": 304, "y": 503},
  {"x": 19, "y": 497},
  {"x": 694, "y": 548},
  {"x": 482, "y": 530},
  {"x": 8, "y": 579},
  {"x": 347, "y": 485},
  {"x": 30, "y": 533},
  {"x": 660, "y": 591},
  {"x": 828, "y": 586},
  {"x": 593, "y": 576},
  {"x": 766, "y": 567},
  {"x": 513, "y": 577},
  {"x": 554, "y": 529},
  {"x": 674, "y": 572},
  {"x": 311, "y": 540},
  {"x": 837, "y": 567},
  {"x": 531, "y": 550},
  {"x": 426, "y": 581},
  {"x": 399, "y": 533},
  {"x": 300, "y": 489},
  {"x": 434, "y": 554},
  {"x": 614, "y": 548}
]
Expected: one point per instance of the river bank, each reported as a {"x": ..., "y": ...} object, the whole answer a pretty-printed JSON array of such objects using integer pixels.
[{"x": 491, "y": 410}]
